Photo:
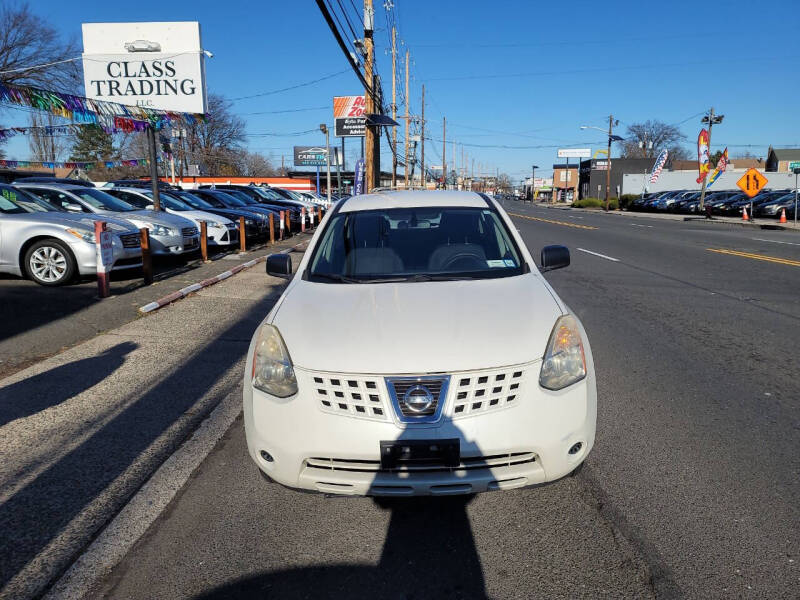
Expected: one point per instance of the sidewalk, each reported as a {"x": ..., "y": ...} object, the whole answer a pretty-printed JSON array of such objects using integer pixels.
[
  {"x": 40, "y": 322},
  {"x": 81, "y": 431},
  {"x": 761, "y": 223}
]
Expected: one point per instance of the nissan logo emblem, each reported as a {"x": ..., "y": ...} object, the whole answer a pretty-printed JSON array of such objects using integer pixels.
[{"x": 418, "y": 398}]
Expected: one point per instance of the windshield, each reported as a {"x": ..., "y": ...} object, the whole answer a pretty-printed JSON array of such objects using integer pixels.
[
  {"x": 34, "y": 203},
  {"x": 102, "y": 200},
  {"x": 9, "y": 201},
  {"x": 420, "y": 244},
  {"x": 242, "y": 197},
  {"x": 195, "y": 201},
  {"x": 169, "y": 201}
]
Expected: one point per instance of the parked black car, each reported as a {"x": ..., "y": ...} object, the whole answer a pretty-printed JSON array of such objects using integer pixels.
[{"x": 255, "y": 225}]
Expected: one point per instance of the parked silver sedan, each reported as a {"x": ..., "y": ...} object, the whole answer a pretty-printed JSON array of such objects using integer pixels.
[
  {"x": 51, "y": 247},
  {"x": 169, "y": 234}
]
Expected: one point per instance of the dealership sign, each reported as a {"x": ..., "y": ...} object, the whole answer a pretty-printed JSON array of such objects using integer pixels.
[
  {"x": 152, "y": 65},
  {"x": 314, "y": 156},
  {"x": 348, "y": 116},
  {"x": 574, "y": 152}
]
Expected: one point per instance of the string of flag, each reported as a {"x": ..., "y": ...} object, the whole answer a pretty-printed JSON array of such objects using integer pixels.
[
  {"x": 86, "y": 165},
  {"x": 48, "y": 130},
  {"x": 111, "y": 116}
]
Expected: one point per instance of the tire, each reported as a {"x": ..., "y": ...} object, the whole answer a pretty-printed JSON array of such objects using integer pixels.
[{"x": 50, "y": 263}]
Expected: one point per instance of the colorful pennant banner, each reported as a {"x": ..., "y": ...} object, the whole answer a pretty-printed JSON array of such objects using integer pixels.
[
  {"x": 722, "y": 164},
  {"x": 108, "y": 164},
  {"x": 109, "y": 115}
]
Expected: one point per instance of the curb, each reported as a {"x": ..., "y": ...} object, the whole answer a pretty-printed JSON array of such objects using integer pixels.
[{"x": 190, "y": 289}]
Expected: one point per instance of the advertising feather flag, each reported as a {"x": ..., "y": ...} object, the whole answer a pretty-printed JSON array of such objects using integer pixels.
[
  {"x": 658, "y": 166},
  {"x": 702, "y": 155},
  {"x": 722, "y": 164}
]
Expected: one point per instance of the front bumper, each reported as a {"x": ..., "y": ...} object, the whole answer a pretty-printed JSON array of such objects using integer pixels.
[
  {"x": 86, "y": 257},
  {"x": 337, "y": 450},
  {"x": 164, "y": 245}
]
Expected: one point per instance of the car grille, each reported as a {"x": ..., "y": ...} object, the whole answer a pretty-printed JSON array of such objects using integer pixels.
[
  {"x": 130, "y": 240},
  {"x": 351, "y": 395},
  {"x": 402, "y": 389},
  {"x": 466, "y": 463},
  {"x": 461, "y": 394},
  {"x": 483, "y": 391},
  {"x": 189, "y": 231}
]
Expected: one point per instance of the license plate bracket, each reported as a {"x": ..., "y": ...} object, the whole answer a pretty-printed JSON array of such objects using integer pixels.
[{"x": 420, "y": 452}]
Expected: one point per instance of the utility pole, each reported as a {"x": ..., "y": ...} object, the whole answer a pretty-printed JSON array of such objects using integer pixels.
[
  {"x": 444, "y": 152},
  {"x": 394, "y": 107},
  {"x": 372, "y": 152},
  {"x": 422, "y": 140},
  {"x": 406, "y": 153},
  {"x": 611, "y": 124},
  {"x": 711, "y": 119}
]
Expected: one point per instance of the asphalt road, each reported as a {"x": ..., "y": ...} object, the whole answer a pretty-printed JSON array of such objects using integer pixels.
[{"x": 691, "y": 490}]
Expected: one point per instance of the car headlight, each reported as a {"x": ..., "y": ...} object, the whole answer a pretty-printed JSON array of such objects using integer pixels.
[
  {"x": 86, "y": 236},
  {"x": 564, "y": 361},
  {"x": 161, "y": 230},
  {"x": 249, "y": 222},
  {"x": 272, "y": 367}
]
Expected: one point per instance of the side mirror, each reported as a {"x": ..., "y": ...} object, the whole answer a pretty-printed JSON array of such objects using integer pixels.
[
  {"x": 554, "y": 257},
  {"x": 73, "y": 207},
  {"x": 279, "y": 265}
]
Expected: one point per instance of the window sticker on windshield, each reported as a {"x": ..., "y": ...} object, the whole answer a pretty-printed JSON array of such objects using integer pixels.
[
  {"x": 6, "y": 205},
  {"x": 496, "y": 263},
  {"x": 9, "y": 195},
  {"x": 509, "y": 262}
]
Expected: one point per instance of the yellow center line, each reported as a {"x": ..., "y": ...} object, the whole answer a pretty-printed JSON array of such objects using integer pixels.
[
  {"x": 774, "y": 259},
  {"x": 564, "y": 223}
]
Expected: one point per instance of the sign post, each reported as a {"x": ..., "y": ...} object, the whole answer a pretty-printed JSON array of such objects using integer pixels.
[
  {"x": 104, "y": 252},
  {"x": 751, "y": 183}
]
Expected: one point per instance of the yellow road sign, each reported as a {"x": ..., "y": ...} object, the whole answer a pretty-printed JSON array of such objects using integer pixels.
[{"x": 752, "y": 182}]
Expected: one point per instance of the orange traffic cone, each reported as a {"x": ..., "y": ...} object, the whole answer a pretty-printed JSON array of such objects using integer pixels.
[
  {"x": 783, "y": 215},
  {"x": 744, "y": 214}
]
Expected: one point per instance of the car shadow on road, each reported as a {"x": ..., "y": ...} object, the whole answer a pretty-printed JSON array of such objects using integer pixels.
[
  {"x": 51, "y": 388},
  {"x": 429, "y": 552}
]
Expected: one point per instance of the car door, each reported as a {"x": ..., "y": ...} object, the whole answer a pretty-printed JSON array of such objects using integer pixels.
[{"x": 60, "y": 199}]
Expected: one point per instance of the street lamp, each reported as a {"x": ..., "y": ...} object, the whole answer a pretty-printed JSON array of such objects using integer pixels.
[
  {"x": 611, "y": 138},
  {"x": 324, "y": 129},
  {"x": 533, "y": 181}
]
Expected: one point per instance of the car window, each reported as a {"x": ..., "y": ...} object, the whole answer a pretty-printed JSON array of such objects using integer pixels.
[
  {"x": 59, "y": 199},
  {"x": 210, "y": 199},
  {"x": 415, "y": 244},
  {"x": 169, "y": 201},
  {"x": 131, "y": 198},
  {"x": 8, "y": 201},
  {"x": 102, "y": 200},
  {"x": 195, "y": 201},
  {"x": 230, "y": 200}
]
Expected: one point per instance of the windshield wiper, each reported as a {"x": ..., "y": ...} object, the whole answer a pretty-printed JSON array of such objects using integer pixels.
[{"x": 337, "y": 278}]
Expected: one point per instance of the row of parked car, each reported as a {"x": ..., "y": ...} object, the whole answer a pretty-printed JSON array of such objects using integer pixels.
[
  {"x": 47, "y": 224},
  {"x": 768, "y": 203}
]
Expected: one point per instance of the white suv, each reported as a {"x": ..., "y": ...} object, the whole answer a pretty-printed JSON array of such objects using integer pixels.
[{"x": 418, "y": 350}]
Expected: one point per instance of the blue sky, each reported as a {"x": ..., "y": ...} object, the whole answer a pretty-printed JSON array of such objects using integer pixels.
[{"x": 514, "y": 73}]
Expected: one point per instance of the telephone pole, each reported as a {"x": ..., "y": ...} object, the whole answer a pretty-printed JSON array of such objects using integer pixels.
[
  {"x": 372, "y": 154},
  {"x": 422, "y": 140},
  {"x": 444, "y": 152},
  {"x": 711, "y": 119},
  {"x": 611, "y": 124},
  {"x": 394, "y": 107},
  {"x": 406, "y": 153}
]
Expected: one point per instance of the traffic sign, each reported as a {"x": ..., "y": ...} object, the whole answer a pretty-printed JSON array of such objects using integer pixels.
[
  {"x": 794, "y": 165},
  {"x": 752, "y": 182}
]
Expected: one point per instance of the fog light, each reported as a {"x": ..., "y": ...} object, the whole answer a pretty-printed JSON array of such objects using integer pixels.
[
  {"x": 576, "y": 447},
  {"x": 266, "y": 456}
]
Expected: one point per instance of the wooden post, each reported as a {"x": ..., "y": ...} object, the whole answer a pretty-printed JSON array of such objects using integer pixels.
[
  {"x": 271, "y": 229},
  {"x": 281, "y": 227},
  {"x": 147, "y": 260},
  {"x": 204, "y": 241},
  {"x": 303, "y": 219},
  {"x": 242, "y": 237},
  {"x": 288, "y": 216},
  {"x": 311, "y": 216},
  {"x": 102, "y": 239},
  {"x": 319, "y": 214}
]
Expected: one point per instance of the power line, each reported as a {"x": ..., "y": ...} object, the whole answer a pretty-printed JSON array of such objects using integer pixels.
[{"x": 292, "y": 87}]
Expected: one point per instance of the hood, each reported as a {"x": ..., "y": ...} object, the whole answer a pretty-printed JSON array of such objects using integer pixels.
[
  {"x": 200, "y": 215},
  {"x": 159, "y": 218},
  {"x": 81, "y": 221},
  {"x": 419, "y": 327}
]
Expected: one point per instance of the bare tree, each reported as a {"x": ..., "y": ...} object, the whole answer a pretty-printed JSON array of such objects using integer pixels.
[
  {"x": 647, "y": 139},
  {"x": 254, "y": 164},
  {"x": 32, "y": 52},
  {"x": 214, "y": 143},
  {"x": 44, "y": 146}
]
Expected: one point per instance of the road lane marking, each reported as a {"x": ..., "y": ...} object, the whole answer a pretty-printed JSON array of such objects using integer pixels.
[
  {"x": 638, "y": 225},
  {"x": 775, "y": 241},
  {"x": 564, "y": 223},
  {"x": 764, "y": 257},
  {"x": 598, "y": 254}
]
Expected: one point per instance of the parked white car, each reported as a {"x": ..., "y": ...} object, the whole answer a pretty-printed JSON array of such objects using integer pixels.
[
  {"x": 418, "y": 350},
  {"x": 220, "y": 231}
]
